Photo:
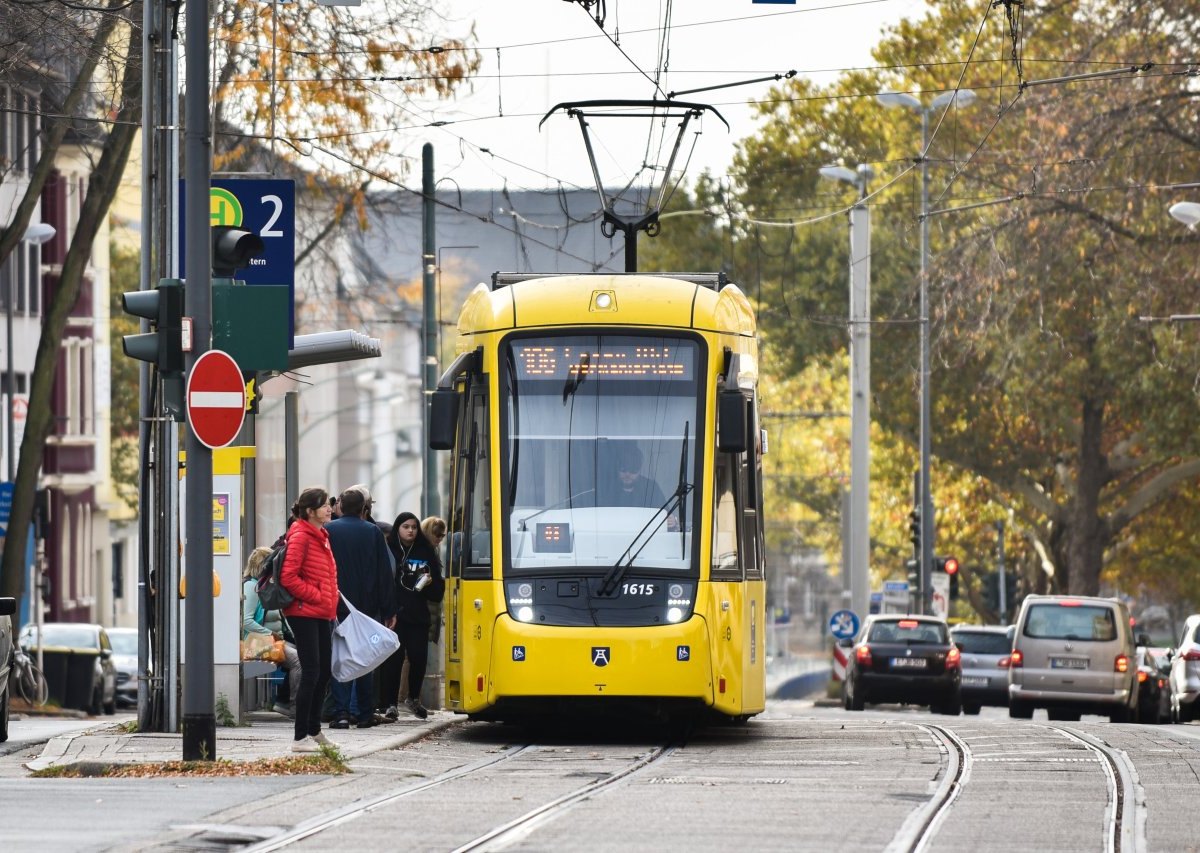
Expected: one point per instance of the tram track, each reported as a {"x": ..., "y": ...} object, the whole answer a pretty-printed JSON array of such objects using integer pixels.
[
  {"x": 495, "y": 838},
  {"x": 337, "y": 817},
  {"x": 1125, "y": 830},
  {"x": 1125, "y": 813},
  {"x": 921, "y": 826}
]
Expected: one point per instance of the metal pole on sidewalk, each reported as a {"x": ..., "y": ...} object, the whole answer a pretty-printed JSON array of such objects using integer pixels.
[
  {"x": 199, "y": 719},
  {"x": 431, "y": 502}
]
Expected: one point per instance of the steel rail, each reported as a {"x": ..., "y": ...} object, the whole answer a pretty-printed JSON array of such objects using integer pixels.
[
  {"x": 521, "y": 826},
  {"x": 336, "y": 817},
  {"x": 1126, "y": 811},
  {"x": 922, "y": 824}
]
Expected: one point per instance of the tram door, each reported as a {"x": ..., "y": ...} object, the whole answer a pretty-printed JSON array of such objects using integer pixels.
[{"x": 471, "y": 525}]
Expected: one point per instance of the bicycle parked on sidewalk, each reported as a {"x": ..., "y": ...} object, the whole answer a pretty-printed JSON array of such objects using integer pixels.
[{"x": 28, "y": 680}]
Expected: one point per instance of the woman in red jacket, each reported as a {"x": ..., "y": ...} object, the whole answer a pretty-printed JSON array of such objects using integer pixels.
[{"x": 310, "y": 575}]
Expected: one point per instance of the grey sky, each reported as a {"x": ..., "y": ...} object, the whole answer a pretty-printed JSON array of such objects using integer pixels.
[{"x": 566, "y": 58}]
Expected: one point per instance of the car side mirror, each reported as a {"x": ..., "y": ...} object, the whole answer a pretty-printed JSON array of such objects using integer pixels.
[
  {"x": 846, "y": 642},
  {"x": 106, "y": 653},
  {"x": 1143, "y": 639},
  {"x": 958, "y": 646},
  {"x": 8, "y": 606}
]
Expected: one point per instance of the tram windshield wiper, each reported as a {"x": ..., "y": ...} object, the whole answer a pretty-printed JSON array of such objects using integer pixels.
[{"x": 676, "y": 501}]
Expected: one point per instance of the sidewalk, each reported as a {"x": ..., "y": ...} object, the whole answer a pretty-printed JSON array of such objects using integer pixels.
[{"x": 268, "y": 735}]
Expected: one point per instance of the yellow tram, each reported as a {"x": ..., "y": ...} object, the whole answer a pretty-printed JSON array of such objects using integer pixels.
[{"x": 606, "y": 542}]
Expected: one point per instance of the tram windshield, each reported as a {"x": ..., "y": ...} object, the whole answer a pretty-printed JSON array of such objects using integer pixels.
[{"x": 600, "y": 440}]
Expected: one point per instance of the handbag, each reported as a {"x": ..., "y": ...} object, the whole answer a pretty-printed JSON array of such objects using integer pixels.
[
  {"x": 262, "y": 647},
  {"x": 360, "y": 644}
]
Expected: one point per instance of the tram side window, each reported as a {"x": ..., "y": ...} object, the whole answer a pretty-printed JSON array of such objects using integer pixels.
[
  {"x": 479, "y": 523},
  {"x": 725, "y": 565},
  {"x": 750, "y": 464}
]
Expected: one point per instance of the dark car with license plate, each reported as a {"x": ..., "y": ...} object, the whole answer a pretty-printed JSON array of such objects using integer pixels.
[
  {"x": 986, "y": 651},
  {"x": 905, "y": 659},
  {"x": 1154, "y": 690}
]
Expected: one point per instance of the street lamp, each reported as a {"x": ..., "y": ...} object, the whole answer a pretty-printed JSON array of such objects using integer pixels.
[
  {"x": 36, "y": 234},
  {"x": 1187, "y": 212},
  {"x": 958, "y": 97},
  {"x": 858, "y": 551}
]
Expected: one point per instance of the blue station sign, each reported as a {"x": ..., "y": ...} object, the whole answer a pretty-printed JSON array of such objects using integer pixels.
[{"x": 267, "y": 207}]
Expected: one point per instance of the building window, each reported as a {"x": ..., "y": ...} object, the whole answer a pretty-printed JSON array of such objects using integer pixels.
[
  {"x": 78, "y": 398},
  {"x": 34, "y": 300},
  {"x": 22, "y": 127},
  {"x": 33, "y": 123},
  {"x": 21, "y": 282},
  {"x": 5, "y": 128}
]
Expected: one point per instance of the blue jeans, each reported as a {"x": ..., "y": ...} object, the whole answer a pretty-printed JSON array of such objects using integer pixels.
[{"x": 353, "y": 698}]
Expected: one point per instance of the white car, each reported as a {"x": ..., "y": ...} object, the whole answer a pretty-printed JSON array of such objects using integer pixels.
[{"x": 1185, "y": 673}]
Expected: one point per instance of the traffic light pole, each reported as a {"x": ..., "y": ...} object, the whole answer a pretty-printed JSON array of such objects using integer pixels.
[
  {"x": 1002, "y": 586},
  {"x": 199, "y": 721},
  {"x": 925, "y": 558}
]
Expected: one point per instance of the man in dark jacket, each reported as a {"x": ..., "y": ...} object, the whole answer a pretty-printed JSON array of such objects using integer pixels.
[{"x": 365, "y": 578}]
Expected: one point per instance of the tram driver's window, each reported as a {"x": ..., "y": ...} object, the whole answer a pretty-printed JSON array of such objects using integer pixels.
[{"x": 725, "y": 518}]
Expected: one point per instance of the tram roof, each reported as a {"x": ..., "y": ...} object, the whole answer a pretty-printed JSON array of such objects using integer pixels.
[{"x": 705, "y": 301}]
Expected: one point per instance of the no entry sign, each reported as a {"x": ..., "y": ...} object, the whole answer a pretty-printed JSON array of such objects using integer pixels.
[{"x": 216, "y": 399}]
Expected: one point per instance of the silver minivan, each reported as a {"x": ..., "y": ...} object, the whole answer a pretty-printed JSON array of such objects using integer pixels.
[{"x": 1073, "y": 655}]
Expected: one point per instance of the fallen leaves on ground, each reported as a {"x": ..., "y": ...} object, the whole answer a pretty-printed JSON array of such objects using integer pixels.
[{"x": 286, "y": 766}]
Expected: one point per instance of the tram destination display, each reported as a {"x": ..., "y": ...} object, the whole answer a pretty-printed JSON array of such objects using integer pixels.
[{"x": 575, "y": 361}]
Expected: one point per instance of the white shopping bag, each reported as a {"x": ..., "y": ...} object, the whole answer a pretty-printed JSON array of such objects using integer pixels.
[{"x": 360, "y": 644}]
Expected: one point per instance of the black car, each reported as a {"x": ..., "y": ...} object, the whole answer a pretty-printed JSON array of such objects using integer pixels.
[
  {"x": 1154, "y": 691},
  {"x": 906, "y": 659},
  {"x": 8, "y": 606}
]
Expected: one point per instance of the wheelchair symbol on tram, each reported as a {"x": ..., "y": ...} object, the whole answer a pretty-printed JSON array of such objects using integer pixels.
[
  {"x": 518, "y": 653},
  {"x": 683, "y": 653}
]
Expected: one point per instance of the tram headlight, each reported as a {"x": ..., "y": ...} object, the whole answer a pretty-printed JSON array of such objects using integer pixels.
[
  {"x": 520, "y": 601},
  {"x": 679, "y": 601}
]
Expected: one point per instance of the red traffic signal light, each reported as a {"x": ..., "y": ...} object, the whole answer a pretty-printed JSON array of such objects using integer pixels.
[{"x": 949, "y": 565}]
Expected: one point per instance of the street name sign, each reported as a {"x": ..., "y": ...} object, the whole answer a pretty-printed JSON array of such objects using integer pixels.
[{"x": 216, "y": 399}]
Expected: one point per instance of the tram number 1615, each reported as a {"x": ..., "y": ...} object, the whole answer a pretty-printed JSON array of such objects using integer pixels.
[{"x": 638, "y": 589}]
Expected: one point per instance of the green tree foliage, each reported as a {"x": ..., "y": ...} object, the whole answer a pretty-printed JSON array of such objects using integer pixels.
[
  {"x": 124, "y": 269},
  {"x": 1051, "y": 400}
]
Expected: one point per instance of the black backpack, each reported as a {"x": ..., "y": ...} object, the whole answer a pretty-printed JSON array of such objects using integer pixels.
[{"x": 271, "y": 593}]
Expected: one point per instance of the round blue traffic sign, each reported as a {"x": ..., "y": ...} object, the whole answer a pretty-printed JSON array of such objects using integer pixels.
[{"x": 843, "y": 624}]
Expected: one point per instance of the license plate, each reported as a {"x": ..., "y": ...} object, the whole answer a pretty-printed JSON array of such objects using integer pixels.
[
  {"x": 973, "y": 681},
  {"x": 909, "y": 663},
  {"x": 1068, "y": 663}
]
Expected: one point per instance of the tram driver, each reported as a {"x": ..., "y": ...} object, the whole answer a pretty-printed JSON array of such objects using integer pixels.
[{"x": 632, "y": 488}]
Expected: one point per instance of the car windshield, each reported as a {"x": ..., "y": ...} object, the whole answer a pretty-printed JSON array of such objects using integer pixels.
[
  {"x": 601, "y": 434},
  {"x": 123, "y": 642},
  {"x": 1071, "y": 622},
  {"x": 65, "y": 636},
  {"x": 983, "y": 642},
  {"x": 908, "y": 631}
]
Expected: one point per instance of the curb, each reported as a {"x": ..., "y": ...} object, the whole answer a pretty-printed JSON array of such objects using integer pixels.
[
  {"x": 410, "y": 736},
  {"x": 56, "y": 748}
]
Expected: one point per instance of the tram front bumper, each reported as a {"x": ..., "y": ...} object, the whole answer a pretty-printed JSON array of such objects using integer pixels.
[{"x": 667, "y": 661}]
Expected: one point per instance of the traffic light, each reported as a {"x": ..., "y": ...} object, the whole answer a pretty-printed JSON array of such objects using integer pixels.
[
  {"x": 914, "y": 574},
  {"x": 914, "y": 527},
  {"x": 949, "y": 565},
  {"x": 163, "y": 307},
  {"x": 233, "y": 249}
]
